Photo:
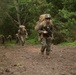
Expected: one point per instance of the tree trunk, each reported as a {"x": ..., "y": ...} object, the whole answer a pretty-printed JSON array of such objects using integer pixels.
[{"x": 17, "y": 9}]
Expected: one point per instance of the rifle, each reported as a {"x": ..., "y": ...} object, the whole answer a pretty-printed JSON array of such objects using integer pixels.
[{"x": 49, "y": 30}]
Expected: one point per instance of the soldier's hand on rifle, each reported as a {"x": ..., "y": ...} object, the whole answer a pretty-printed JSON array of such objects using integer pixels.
[{"x": 45, "y": 32}]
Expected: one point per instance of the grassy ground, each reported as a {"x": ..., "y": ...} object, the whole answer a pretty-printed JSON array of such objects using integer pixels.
[
  {"x": 28, "y": 41},
  {"x": 68, "y": 43},
  {"x": 35, "y": 42}
]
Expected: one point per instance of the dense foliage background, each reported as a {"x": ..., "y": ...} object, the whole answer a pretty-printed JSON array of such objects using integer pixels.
[{"x": 16, "y": 12}]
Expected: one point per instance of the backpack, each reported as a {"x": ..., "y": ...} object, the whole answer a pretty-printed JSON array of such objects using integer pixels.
[{"x": 41, "y": 19}]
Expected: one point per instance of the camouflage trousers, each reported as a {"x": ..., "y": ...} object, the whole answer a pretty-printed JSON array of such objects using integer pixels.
[
  {"x": 46, "y": 45},
  {"x": 22, "y": 39}
]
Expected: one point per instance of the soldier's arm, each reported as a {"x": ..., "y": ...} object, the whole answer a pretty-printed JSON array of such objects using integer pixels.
[
  {"x": 39, "y": 28},
  {"x": 36, "y": 26},
  {"x": 51, "y": 22},
  {"x": 52, "y": 30},
  {"x": 18, "y": 32},
  {"x": 26, "y": 33}
]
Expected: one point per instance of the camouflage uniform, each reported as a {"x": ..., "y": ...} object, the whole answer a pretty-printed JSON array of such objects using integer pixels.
[
  {"x": 22, "y": 34},
  {"x": 2, "y": 38},
  {"x": 17, "y": 38},
  {"x": 47, "y": 26},
  {"x": 9, "y": 38}
]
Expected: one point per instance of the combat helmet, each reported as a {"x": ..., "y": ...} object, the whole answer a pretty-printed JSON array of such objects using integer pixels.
[
  {"x": 47, "y": 16},
  {"x": 21, "y": 26}
]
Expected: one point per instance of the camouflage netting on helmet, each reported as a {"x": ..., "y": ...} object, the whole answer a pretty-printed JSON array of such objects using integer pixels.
[
  {"x": 21, "y": 27},
  {"x": 47, "y": 16}
]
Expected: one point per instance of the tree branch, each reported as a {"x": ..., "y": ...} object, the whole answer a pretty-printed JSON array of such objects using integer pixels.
[
  {"x": 12, "y": 19},
  {"x": 17, "y": 9}
]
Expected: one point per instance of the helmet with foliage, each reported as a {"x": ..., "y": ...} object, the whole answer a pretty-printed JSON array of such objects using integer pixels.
[
  {"x": 47, "y": 16},
  {"x": 21, "y": 26}
]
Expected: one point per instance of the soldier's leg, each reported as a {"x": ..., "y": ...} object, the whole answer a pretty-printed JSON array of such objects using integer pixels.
[
  {"x": 3, "y": 40},
  {"x": 42, "y": 49},
  {"x": 22, "y": 40},
  {"x": 43, "y": 42},
  {"x": 16, "y": 41},
  {"x": 48, "y": 50},
  {"x": 48, "y": 47}
]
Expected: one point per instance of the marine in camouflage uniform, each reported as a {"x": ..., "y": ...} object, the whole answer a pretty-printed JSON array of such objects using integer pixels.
[
  {"x": 9, "y": 38},
  {"x": 2, "y": 38},
  {"x": 46, "y": 29},
  {"x": 17, "y": 38},
  {"x": 22, "y": 32}
]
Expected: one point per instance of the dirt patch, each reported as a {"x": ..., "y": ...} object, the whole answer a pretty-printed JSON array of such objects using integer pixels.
[{"x": 27, "y": 60}]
